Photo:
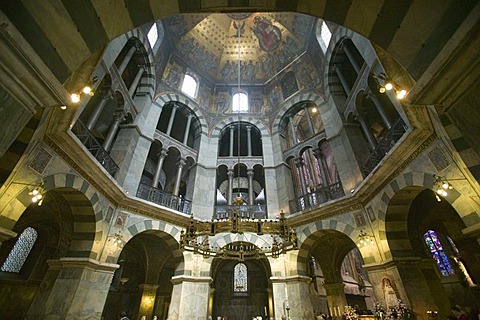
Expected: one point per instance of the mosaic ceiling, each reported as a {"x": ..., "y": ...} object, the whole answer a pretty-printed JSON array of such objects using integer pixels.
[{"x": 268, "y": 42}]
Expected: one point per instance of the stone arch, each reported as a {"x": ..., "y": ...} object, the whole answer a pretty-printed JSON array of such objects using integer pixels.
[
  {"x": 397, "y": 198},
  {"x": 162, "y": 99},
  {"x": 169, "y": 233},
  {"x": 308, "y": 96},
  {"x": 309, "y": 234},
  {"x": 86, "y": 208},
  {"x": 264, "y": 130},
  {"x": 148, "y": 83},
  {"x": 223, "y": 240}
]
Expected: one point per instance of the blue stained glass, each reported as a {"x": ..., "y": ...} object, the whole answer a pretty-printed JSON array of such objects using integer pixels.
[
  {"x": 436, "y": 249},
  {"x": 240, "y": 278},
  {"x": 17, "y": 257}
]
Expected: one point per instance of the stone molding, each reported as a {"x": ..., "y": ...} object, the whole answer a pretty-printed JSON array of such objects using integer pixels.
[{"x": 184, "y": 278}]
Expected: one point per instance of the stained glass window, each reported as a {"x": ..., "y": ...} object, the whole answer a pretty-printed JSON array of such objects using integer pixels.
[
  {"x": 436, "y": 250},
  {"x": 240, "y": 279},
  {"x": 17, "y": 257}
]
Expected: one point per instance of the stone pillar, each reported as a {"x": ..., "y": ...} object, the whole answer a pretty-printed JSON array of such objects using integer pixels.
[
  {"x": 370, "y": 96},
  {"x": 291, "y": 297},
  {"x": 74, "y": 288},
  {"x": 181, "y": 163},
  {"x": 230, "y": 186},
  {"x": 343, "y": 81},
  {"x": 136, "y": 81},
  {"x": 249, "y": 140},
  {"x": 321, "y": 164},
  {"x": 232, "y": 131},
  {"x": 300, "y": 165},
  {"x": 187, "y": 129},
  {"x": 127, "y": 59},
  {"x": 372, "y": 142},
  {"x": 97, "y": 112},
  {"x": 251, "y": 198},
  {"x": 170, "y": 121},
  {"x": 189, "y": 298},
  {"x": 161, "y": 157},
  {"x": 147, "y": 300},
  {"x": 336, "y": 299},
  {"x": 351, "y": 58},
  {"x": 292, "y": 128},
  {"x": 309, "y": 120},
  {"x": 107, "y": 143}
]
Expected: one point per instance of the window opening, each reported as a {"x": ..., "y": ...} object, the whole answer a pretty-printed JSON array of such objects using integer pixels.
[
  {"x": 436, "y": 250},
  {"x": 17, "y": 257},
  {"x": 152, "y": 35},
  {"x": 189, "y": 85},
  {"x": 240, "y": 102},
  {"x": 325, "y": 37},
  {"x": 240, "y": 278}
]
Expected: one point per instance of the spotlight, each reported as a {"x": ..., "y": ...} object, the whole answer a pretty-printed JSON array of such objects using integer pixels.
[
  {"x": 401, "y": 94},
  {"x": 87, "y": 89},
  {"x": 63, "y": 107},
  {"x": 314, "y": 110},
  {"x": 382, "y": 89},
  {"x": 388, "y": 86},
  {"x": 75, "y": 97}
]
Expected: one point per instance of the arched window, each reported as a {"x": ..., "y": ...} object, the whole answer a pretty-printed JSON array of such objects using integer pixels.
[
  {"x": 189, "y": 86},
  {"x": 152, "y": 35},
  {"x": 436, "y": 250},
  {"x": 17, "y": 257},
  {"x": 240, "y": 102},
  {"x": 240, "y": 278},
  {"x": 324, "y": 37}
]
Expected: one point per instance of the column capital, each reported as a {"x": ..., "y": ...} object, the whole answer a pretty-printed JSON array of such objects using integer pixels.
[
  {"x": 250, "y": 172},
  {"x": 299, "y": 162},
  {"x": 87, "y": 263},
  {"x": 248, "y": 128},
  {"x": 230, "y": 173},
  {"x": 181, "y": 162},
  {"x": 317, "y": 152},
  {"x": 163, "y": 153}
]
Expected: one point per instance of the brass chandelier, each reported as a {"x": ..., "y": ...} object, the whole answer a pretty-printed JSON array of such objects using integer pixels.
[{"x": 196, "y": 237}]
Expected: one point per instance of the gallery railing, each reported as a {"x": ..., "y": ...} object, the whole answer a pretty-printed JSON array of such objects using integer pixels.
[
  {"x": 316, "y": 198},
  {"x": 95, "y": 148},
  {"x": 164, "y": 198},
  {"x": 384, "y": 145},
  {"x": 245, "y": 212}
]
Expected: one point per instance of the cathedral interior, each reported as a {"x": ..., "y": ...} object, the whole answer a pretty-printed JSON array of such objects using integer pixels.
[{"x": 236, "y": 159}]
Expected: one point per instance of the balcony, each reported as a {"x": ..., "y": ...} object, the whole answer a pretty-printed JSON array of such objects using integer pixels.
[
  {"x": 384, "y": 146},
  {"x": 163, "y": 198},
  {"x": 316, "y": 198},
  {"x": 245, "y": 212},
  {"x": 95, "y": 147}
]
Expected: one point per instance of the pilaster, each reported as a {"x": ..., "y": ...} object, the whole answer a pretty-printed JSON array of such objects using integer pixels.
[{"x": 190, "y": 298}]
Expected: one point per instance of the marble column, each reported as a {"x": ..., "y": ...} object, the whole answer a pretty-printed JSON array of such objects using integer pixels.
[
  {"x": 309, "y": 120},
  {"x": 170, "y": 121},
  {"x": 249, "y": 141},
  {"x": 107, "y": 143},
  {"x": 292, "y": 128},
  {"x": 230, "y": 186},
  {"x": 127, "y": 59},
  {"x": 92, "y": 120},
  {"x": 74, "y": 288},
  {"x": 251, "y": 198},
  {"x": 336, "y": 299},
  {"x": 352, "y": 60},
  {"x": 232, "y": 131},
  {"x": 343, "y": 80},
  {"x": 321, "y": 164},
  {"x": 147, "y": 300},
  {"x": 161, "y": 157},
  {"x": 181, "y": 163},
  {"x": 372, "y": 142},
  {"x": 190, "y": 298},
  {"x": 136, "y": 81},
  {"x": 300, "y": 165},
  {"x": 370, "y": 96},
  {"x": 187, "y": 129}
]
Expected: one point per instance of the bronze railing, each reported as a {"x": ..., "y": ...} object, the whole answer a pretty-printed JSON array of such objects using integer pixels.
[
  {"x": 316, "y": 198},
  {"x": 164, "y": 198},
  {"x": 245, "y": 211}
]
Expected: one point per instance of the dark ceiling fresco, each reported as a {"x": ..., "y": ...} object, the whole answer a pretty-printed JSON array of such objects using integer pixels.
[{"x": 268, "y": 43}]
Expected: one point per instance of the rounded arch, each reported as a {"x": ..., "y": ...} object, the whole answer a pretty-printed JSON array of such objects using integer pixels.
[
  {"x": 222, "y": 240},
  {"x": 220, "y": 126},
  {"x": 164, "y": 98},
  {"x": 307, "y": 96}
]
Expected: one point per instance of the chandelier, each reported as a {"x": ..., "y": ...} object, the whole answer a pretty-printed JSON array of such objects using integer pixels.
[{"x": 196, "y": 237}]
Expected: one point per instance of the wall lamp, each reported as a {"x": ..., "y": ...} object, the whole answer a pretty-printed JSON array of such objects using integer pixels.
[
  {"x": 116, "y": 240},
  {"x": 87, "y": 90},
  {"x": 386, "y": 84},
  {"x": 37, "y": 192},
  {"x": 364, "y": 239},
  {"x": 440, "y": 186}
]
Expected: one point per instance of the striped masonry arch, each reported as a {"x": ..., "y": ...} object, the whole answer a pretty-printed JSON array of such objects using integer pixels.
[
  {"x": 168, "y": 232},
  {"x": 86, "y": 208},
  {"x": 397, "y": 198},
  {"x": 265, "y": 132},
  {"x": 92, "y": 25}
]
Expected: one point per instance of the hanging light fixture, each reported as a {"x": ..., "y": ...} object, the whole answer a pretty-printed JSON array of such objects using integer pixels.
[
  {"x": 364, "y": 239},
  {"x": 441, "y": 187},
  {"x": 386, "y": 84}
]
